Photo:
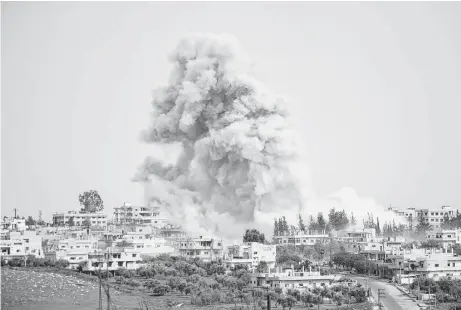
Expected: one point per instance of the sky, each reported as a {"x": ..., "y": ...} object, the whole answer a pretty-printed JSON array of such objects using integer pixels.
[{"x": 374, "y": 89}]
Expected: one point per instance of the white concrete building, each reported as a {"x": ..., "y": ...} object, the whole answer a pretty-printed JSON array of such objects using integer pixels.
[
  {"x": 290, "y": 279},
  {"x": 21, "y": 243},
  {"x": 301, "y": 238},
  {"x": 434, "y": 216},
  {"x": 357, "y": 235},
  {"x": 79, "y": 218},
  {"x": 13, "y": 224},
  {"x": 250, "y": 254},
  {"x": 129, "y": 214},
  {"x": 438, "y": 265},
  {"x": 205, "y": 248},
  {"x": 447, "y": 237},
  {"x": 113, "y": 259}
]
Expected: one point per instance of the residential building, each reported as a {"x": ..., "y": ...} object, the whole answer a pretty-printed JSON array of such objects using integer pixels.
[
  {"x": 447, "y": 237},
  {"x": 113, "y": 259},
  {"x": 250, "y": 254},
  {"x": 438, "y": 265},
  {"x": 80, "y": 218},
  {"x": 129, "y": 214},
  {"x": 21, "y": 243},
  {"x": 13, "y": 223},
  {"x": 302, "y": 238},
  {"x": 290, "y": 279},
  {"x": 434, "y": 216},
  {"x": 205, "y": 248},
  {"x": 356, "y": 235}
]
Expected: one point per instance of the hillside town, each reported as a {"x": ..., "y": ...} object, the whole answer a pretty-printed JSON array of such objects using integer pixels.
[{"x": 327, "y": 252}]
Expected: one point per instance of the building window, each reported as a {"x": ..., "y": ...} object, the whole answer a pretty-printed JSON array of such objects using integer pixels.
[{"x": 436, "y": 265}]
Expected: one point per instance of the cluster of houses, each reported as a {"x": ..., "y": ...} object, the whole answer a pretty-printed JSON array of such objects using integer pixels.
[{"x": 139, "y": 232}]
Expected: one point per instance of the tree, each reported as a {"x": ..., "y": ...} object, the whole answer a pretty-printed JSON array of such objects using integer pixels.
[
  {"x": 338, "y": 219},
  {"x": 124, "y": 244},
  {"x": 378, "y": 229},
  {"x": 30, "y": 221},
  {"x": 280, "y": 227},
  {"x": 369, "y": 222},
  {"x": 86, "y": 222},
  {"x": 285, "y": 225},
  {"x": 322, "y": 224},
  {"x": 301, "y": 225},
  {"x": 276, "y": 227},
  {"x": 353, "y": 220},
  {"x": 313, "y": 226},
  {"x": 422, "y": 226},
  {"x": 91, "y": 202},
  {"x": 430, "y": 244},
  {"x": 262, "y": 267},
  {"x": 71, "y": 222},
  {"x": 253, "y": 235}
]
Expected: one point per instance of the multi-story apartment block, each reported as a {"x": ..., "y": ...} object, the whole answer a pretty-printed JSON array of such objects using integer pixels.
[
  {"x": 79, "y": 218},
  {"x": 301, "y": 238},
  {"x": 12, "y": 223},
  {"x": 447, "y": 237},
  {"x": 438, "y": 265},
  {"x": 250, "y": 254},
  {"x": 148, "y": 215},
  {"x": 20, "y": 244},
  {"x": 113, "y": 259},
  {"x": 434, "y": 216},
  {"x": 205, "y": 248},
  {"x": 150, "y": 247},
  {"x": 357, "y": 234},
  {"x": 290, "y": 279}
]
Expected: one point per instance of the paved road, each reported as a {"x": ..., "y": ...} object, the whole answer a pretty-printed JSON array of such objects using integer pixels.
[{"x": 394, "y": 299}]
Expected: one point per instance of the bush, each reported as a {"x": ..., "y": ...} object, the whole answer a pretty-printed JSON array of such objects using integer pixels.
[
  {"x": 133, "y": 283},
  {"x": 161, "y": 290},
  {"x": 123, "y": 272},
  {"x": 16, "y": 262},
  {"x": 62, "y": 263}
]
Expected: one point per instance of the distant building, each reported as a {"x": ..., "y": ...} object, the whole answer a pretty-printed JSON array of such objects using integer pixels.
[
  {"x": 438, "y": 265},
  {"x": 79, "y": 218},
  {"x": 149, "y": 215},
  {"x": 433, "y": 216},
  {"x": 205, "y": 248},
  {"x": 250, "y": 254},
  {"x": 291, "y": 279},
  {"x": 11, "y": 223},
  {"x": 21, "y": 243},
  {"x": 113, "y": 259},
  {"x": 301, "y": 238},
  {"x": 447, "y": 237}
]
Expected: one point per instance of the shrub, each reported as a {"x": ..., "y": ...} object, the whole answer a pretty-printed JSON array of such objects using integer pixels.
[
  {"x": 133, "y": 283},
  {"x": 62, "y": 263},
  {"x": 161, "y": 290},
  {"x": 16, "y": 262}
]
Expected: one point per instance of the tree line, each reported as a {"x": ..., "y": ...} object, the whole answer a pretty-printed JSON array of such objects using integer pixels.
[{"x": 337, "y": 220}]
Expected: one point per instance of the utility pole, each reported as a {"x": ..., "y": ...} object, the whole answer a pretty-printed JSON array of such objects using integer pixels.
[
  {"x": 15, "y": 210},
  {"x": 40, "y": 216},
  {"x": 381, "y": 294}
]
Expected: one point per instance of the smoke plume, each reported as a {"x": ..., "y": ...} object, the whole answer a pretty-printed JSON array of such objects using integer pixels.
[
  {"x": 237, "y": 164},
  {"x": 238, "y": 158}
]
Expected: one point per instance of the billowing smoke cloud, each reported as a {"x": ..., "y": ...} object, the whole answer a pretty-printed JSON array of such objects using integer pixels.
[
  {"x": 238, "y": 157},
  {"x": 238, "y": 163}
]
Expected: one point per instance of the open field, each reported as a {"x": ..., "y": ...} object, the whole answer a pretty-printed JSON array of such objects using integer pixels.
[{"x": 59, "y": 290}]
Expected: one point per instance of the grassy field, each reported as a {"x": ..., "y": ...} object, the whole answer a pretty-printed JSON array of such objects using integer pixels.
[{"x": 45, "y": 288}]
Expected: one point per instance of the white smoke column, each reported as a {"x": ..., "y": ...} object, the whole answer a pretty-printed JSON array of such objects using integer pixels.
[{"x": 240, "y": 163}]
